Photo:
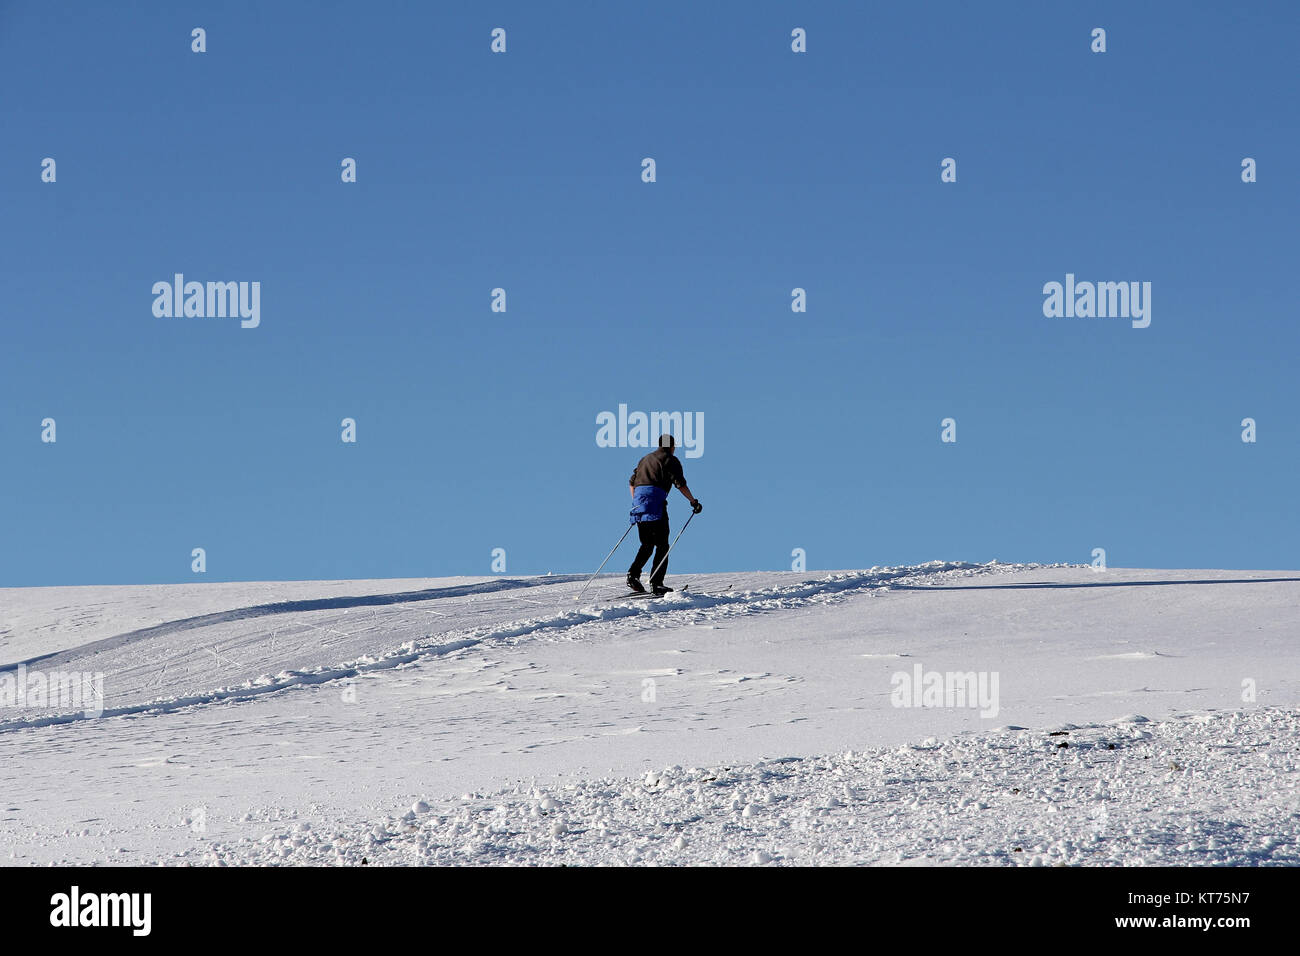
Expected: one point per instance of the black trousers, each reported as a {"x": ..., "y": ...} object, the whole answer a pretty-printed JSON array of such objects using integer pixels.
[{"x": 654, "y": 538}]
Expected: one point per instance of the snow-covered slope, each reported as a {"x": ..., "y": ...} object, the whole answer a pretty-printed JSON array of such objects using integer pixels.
[{"x": 299, "y": 721}]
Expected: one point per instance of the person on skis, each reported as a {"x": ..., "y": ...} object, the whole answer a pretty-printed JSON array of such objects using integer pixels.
[{"x": 649, "y": 485}]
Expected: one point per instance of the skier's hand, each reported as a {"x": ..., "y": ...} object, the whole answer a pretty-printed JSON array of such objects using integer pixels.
[{"x": 696, "y": 507}]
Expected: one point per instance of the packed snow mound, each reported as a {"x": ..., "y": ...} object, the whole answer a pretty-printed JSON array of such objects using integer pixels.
[{"x": 1213, "y": 788}]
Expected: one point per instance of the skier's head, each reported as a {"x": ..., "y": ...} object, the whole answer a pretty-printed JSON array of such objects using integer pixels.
[{"x": 667, "y": 442}]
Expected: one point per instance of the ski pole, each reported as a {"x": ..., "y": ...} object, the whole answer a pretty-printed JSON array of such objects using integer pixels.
[
  {"x": 605, "y": 562},
  {"x": 664, "y": 560}
]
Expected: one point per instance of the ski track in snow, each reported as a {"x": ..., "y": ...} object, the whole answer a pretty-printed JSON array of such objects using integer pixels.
[
  {"x": 1210, "y": 789},
  {"x": 116, "y": 654}
]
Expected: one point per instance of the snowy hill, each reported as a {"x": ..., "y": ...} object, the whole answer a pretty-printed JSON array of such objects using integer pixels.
[{"x": 940, "y": 713}]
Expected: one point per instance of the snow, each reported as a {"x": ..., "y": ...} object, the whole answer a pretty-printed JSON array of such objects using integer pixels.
[
  {"x": 1192, "y": 790},
  {"x": 495, "y": 720}
]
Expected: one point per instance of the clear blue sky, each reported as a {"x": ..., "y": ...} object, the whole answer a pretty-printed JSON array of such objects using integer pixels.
[{"x": 476, "y": 430}]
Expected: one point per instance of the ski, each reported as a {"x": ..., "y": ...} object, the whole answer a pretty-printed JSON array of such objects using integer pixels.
[{"x": 631, "y": 595}]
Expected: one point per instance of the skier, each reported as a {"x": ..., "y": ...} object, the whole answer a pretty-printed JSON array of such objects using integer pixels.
[{"x": 649, "y": 485}]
